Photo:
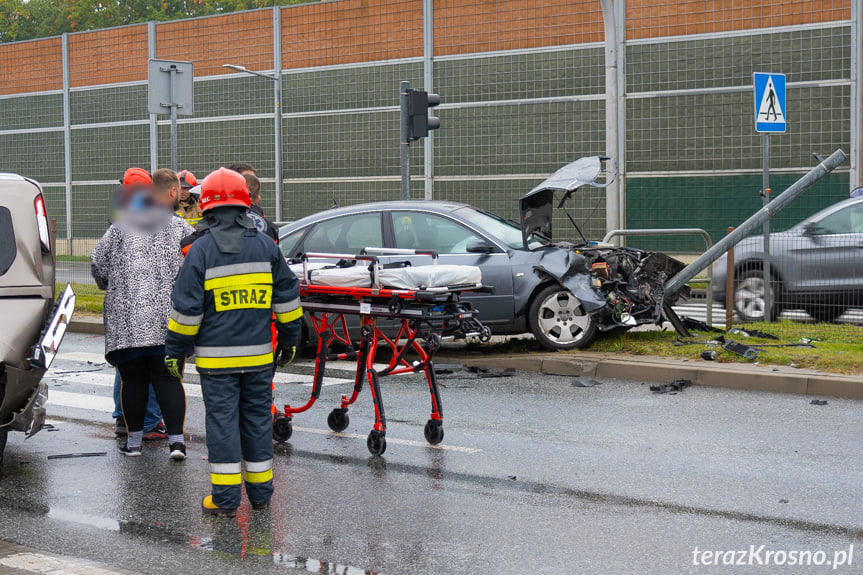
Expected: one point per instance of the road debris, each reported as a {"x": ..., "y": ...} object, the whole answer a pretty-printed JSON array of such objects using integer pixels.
[
  {"x": 742, "y": 350},
  {"x": 585, "y": 382},
  {"x": 76, "y": 455},
  {"x": 671, "y": 388},
  {"x": 818, "y": 402}
]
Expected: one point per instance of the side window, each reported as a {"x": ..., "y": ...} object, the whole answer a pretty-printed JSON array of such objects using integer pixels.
[
  {"x": 8, "y": 249},
  {"x": 845, "y": 221},
  {"x": 288, "y": 244},
  {"x": 345, "y": 235},
  {"x": 420, "y": 231}
]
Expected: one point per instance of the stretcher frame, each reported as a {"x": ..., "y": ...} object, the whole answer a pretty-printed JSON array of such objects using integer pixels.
[{"x": 432, "y": 315}]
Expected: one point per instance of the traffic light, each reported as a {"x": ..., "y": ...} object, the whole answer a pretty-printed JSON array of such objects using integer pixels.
[{"x": 420, "y": 122}]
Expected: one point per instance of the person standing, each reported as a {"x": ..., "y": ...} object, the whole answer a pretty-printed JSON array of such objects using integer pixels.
[
  {"x": 255, "y": 212},
  {"x": 134, "y": 179},
  {"x": 189, "y": 209},
  {"x": 136, "y": 262},
  {"x": 233, "y": 280}
]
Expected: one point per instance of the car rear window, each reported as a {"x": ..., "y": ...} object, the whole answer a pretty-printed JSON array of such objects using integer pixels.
[{"x": 8, "y": 250}]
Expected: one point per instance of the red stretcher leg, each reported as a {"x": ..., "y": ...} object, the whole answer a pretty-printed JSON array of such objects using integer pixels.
[{"x": 376, "y": 441}]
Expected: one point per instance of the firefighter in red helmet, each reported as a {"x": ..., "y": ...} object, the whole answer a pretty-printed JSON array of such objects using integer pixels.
[{"x": 233, "y": 281}]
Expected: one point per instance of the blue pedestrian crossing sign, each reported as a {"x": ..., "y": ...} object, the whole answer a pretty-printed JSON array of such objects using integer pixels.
[{"x": 769, "y": 102}]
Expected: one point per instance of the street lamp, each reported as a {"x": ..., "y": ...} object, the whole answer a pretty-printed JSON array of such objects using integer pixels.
[{"x": 277, "y": 117}]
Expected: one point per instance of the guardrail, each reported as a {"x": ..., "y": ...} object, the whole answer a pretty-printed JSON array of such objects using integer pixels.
[{"x": 708, "y": 243}]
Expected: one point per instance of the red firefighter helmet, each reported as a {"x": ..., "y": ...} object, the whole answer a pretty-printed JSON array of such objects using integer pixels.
[
  {"x": 224, "y": 188},
  {"x": 187, "y": 179},
  {"x": 138, "y": 176}
]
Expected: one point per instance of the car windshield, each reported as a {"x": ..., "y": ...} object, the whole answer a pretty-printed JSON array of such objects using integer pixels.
[{"x": 504, "y": 230}]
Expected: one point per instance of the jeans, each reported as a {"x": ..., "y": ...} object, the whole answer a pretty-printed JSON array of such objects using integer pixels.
[{"x": 153, "y": 416}]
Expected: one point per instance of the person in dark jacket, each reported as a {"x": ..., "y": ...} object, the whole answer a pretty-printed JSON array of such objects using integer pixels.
[
  {"x": 255, "y": 211},
  {"x": 136, "y": 262},
  {"x": 233, "y": 281}
]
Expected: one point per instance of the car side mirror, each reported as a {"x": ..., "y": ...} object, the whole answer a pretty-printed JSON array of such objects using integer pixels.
[
  {"x": 478, "y": 246},
  {"x": 810, "y": 229}
]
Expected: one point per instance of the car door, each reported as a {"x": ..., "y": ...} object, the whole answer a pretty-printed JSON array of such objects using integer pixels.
[
  {"x": 449, "y": 238},
  {"x": 347, "y": 234},
  {"x": 829, "y": 253}
]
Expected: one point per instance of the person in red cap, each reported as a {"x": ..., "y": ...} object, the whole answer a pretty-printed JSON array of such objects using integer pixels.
[
  {"x": 233, "y": 281},
  {"x": 189, "y": 208}
]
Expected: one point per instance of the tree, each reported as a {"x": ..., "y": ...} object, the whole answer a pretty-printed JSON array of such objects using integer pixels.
[{"x": 29, "y": 19}]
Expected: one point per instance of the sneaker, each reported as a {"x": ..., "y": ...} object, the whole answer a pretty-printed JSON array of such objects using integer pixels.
[
  {"x": 210, "y": 508},
  {"x": 130, "y": 451},
  {"x": 157, "y": 433},
  {"x": 120, "y": 426},
  {"x": 178, "y": 451},
  {"x": 263, "y": 505}
]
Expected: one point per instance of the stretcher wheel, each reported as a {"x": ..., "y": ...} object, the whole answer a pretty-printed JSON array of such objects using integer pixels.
[
  {"x": 338, "y": 419},
  {"x": 434, "y": 431},
  {"x": 376, "y": 442},
  {"x": 282, "y": 429}
]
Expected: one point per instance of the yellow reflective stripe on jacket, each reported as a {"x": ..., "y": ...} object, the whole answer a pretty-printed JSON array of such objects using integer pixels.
[
  {"x": 289, "y": 316},
  {"x": 226, "y": 478},
  {"x": 238, "y": 280},
  {"x": 237, "y": 361},
  {"x": 288, "y": 311},
  {"x": 260, "y": 476},
  {"x": 182, "y": 329}
]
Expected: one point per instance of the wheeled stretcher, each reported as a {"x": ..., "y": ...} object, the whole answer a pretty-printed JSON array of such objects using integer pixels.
[{"x": 429, "y": 312}]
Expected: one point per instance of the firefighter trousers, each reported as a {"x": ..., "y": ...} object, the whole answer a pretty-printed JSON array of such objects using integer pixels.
[{"x": 239, "y": 435}]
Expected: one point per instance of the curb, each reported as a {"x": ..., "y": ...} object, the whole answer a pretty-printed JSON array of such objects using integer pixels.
[
  {"x": 87, "y": 325},
  {"x": 662, "y": 370}
]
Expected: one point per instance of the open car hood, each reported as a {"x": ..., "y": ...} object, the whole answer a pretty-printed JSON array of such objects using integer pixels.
[{"x": 536, "y": 207}]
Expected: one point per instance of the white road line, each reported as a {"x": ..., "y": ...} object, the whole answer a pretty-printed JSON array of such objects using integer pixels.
[
  {"x": 395, "y": 440},
  {"x": 39, "y": 563},
  {"x": 90, "y": 402},
  {"x": 193, "y": 390},
  {"x": 98, "y": 359}
]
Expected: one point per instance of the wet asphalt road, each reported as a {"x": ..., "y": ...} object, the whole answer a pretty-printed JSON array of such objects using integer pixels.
[{"x": 534, "y": 475}]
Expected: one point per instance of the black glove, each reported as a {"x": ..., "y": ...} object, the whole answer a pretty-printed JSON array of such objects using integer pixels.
[{"x": 284, "y": 354}]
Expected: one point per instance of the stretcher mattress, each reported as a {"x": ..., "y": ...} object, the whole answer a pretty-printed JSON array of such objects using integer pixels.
[{"x": 410, "y": 278}]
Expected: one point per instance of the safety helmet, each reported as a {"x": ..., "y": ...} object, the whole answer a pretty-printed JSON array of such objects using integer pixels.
[
  {"x": 187, "y": 179},
  {"x": 224, "y": 187},
  {"x": 138, "y": 176}
]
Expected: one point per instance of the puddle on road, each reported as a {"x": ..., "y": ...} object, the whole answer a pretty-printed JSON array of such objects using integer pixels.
[{"x": 83, "y": 519}]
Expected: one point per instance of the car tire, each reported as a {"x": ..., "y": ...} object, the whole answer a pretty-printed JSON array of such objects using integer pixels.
[
  {"x": 824, "y": 313},
  {"x": 749, "y": 297},
  {"x": 558, "y": 320}
]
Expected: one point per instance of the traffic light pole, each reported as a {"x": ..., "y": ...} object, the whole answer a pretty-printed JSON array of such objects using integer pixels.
[{"x": 405, "y": 140}]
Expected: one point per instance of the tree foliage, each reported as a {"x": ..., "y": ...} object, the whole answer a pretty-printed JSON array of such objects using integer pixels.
[{"x": 29, "y": 19}]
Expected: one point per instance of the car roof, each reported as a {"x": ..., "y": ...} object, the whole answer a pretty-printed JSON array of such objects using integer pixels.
[
  {"x": 830, "y": 209},
  {"x": 413, "y": 205}
]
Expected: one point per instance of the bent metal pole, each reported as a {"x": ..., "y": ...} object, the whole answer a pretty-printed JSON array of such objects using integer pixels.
[{"x": 756, "y": 220}]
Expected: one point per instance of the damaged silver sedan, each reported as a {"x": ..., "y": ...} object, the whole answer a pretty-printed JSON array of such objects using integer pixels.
[{"x": 564, "y": 292}]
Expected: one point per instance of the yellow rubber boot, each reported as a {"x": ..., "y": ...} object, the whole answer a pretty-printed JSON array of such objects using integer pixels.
[{"x": 211, "y": 508}]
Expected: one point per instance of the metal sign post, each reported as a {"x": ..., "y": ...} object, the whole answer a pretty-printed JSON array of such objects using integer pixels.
[
  {"x": 404, "y": 88},
  {"x": 171, "y": 88},
  {"x": 769, "y": 117}
]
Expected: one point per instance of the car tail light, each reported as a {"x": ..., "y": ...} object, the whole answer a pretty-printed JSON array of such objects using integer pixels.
[{"x": 42, "y": 222}]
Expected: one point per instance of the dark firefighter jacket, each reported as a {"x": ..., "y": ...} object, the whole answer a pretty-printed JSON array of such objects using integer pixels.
[{"x": 223, "y": 304}]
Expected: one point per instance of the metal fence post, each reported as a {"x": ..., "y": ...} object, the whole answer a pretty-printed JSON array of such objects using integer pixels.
[
  {"x": 765, "y": 194},
  {"x": 67, "y": 142},
  {"x": 154, "y": 128},
  {"x": 404, "y": 139},
  {"x": 277, "y": 105},
  {"x": 856, "y": 177},
  {"x": 620, "y": 23},
  {"x": 428, "y": 86},
  {"x": 612, "y": 199}
]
